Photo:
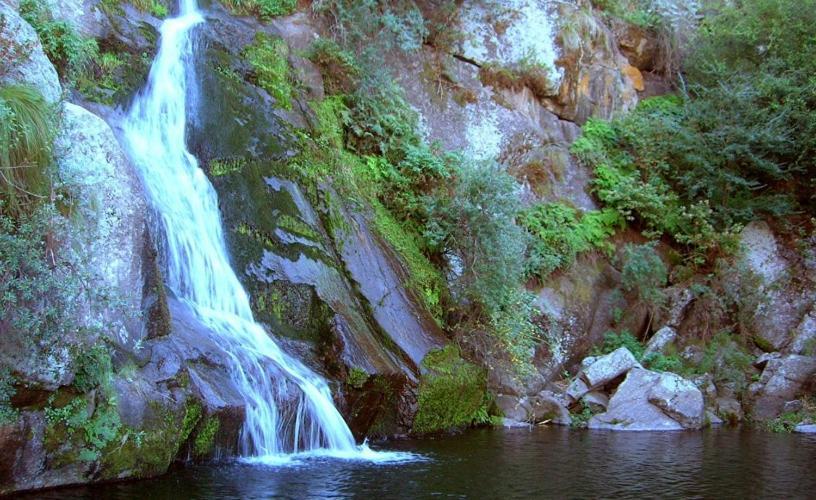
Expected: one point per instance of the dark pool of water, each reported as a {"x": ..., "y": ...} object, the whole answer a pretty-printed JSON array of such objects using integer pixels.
[{"x": 519, "y": 463}]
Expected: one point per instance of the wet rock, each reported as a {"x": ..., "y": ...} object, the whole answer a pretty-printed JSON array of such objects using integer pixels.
[
  {"x": 513, "y": 407},
  {"x": 679, "y": 398},
  {"x": 660, "y": 341},
  {"x": 792, "y": 406},
  {"x": 712, "y": 419},
  {"x": 596, "y": 401},
  {"x": 730, "y": 409},
  {"x": 609, "y": 367},
  {"x": 380, "y": 277},
  {"x": 783, "y": 379},
  {"x": 805, "y": 429},
  {"x": 35, "y": 69},
  {"x": 548, "y": 407},
  {"x": 630, "y": 409}
]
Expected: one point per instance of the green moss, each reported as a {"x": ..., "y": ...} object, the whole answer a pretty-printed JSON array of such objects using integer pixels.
[
  {"x": 268, "y": 58},
  {"x": 424, "y": 279},
  {"x": 452, "y": 393},
  {"x": 205, "y": 439}
]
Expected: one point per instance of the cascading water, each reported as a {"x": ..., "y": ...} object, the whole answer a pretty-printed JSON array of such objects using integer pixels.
[{"x": 288, "y": 408}]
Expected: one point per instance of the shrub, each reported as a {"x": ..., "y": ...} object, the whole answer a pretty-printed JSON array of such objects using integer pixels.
[
  {"x": 268, "y": 58},
  {"x": 558, "y": 234},
  {"x": 644, "y": 274},
  {"x": 263, "y": 9},
  {"x": 70, "y": 52},
  {"x": 727, "y": 360},
  {"x": 27, "y": 127},
  {"x": 613, "y": 341}
]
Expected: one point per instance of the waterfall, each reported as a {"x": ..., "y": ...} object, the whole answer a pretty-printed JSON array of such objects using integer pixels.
[{"x": 288, "y": 408}]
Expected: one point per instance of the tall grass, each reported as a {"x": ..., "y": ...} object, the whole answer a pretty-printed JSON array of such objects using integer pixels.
[{"x": 26, "y": 135}]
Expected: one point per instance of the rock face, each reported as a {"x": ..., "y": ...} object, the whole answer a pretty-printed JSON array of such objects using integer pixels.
[
  {"x": 25, "y": 62},
  {"x": 783, "y": 380},
  {"x": 678, "y": 398},
  {"x": 773, "y": 310},
  {"x": 111, "y": 209},
  {"x": 650, "y": 401},
  {"x": 610, "y": 367}
]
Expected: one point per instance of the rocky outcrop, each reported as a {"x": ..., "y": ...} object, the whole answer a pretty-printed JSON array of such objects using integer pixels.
[
  {"x": 650, "y": 401},
  {"x": 22, "y": 60},
  {"x": 783, "y": 379},
  {"x": 771, "y": 306}
]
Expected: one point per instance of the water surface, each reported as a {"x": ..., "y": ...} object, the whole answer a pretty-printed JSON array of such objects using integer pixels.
[{"x": 519, "y": 463}]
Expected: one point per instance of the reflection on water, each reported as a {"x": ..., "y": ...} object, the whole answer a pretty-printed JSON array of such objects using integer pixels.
[{"x": 519, "y": 463}]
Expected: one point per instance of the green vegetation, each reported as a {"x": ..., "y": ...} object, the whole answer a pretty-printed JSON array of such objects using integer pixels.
[
  {"x": 451, "y": 394},
  {"x": 27, "y": 125},
  {"x": 559, "y": 233},
  {"x": 643, "y": 275},
  {"x": 268, "y": 58},
  {"x": 71, "y": 53},
  {"x": 733, "y": 146},
  {"x": 788, "y": 421},
  {"x": 357, "y": 377},
  {"x": 205, "y": 439},
  {"x": 158, "y": 8},
  {"x": 581, "y": 418},
  {"x": 7, "y": 391},
  {"x": 31, "y": 270},
  {"x": 613, "y": 341},
  {"x": 262, "y": 9}
]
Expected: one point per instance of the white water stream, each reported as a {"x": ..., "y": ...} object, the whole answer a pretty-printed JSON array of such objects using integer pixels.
[{"x": 288, "y": 408}]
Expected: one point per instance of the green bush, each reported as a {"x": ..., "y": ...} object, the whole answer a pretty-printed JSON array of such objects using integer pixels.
[
  {"x": 727, "y": 360},
  {"x": 70, "y": 52},
  {"x": 7, "y": 391},
  {"x": 268, "y": 57},
  {"x": 263, "y": 9},
  {"x": 27, "y": 128},
  {"x": 452, "y": 393},
  {"x": 613, "y": 341},
  {"x": 644, "y": 274},
  {"x": 559, "y": 234}
]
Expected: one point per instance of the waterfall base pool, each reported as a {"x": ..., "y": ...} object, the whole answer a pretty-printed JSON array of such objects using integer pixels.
[{"x": 517, "y": 463}]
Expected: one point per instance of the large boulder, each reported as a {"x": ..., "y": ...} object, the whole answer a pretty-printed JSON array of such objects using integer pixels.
[
  {"x": 22, "y": 60},
  {"x": 607, "y": 368},
  {"x": 679, "y": 398},
  {"x": 783, "y": 379},
  {"x": 651, "y": 401}
]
